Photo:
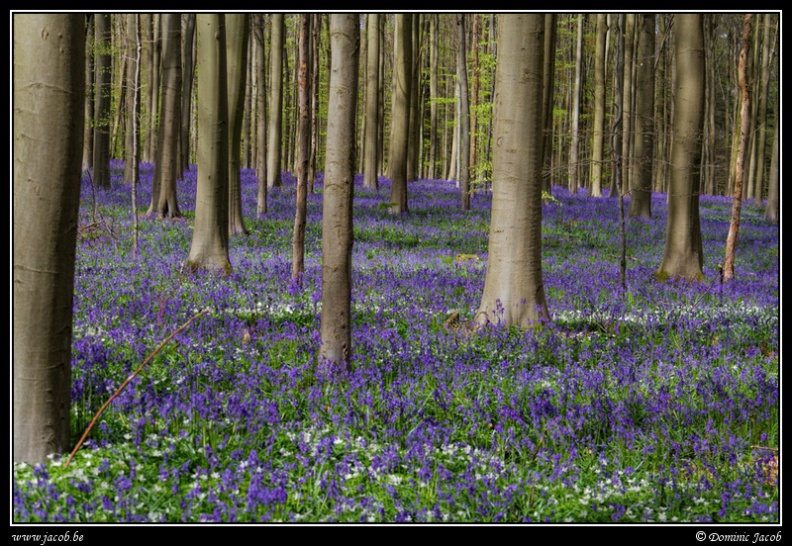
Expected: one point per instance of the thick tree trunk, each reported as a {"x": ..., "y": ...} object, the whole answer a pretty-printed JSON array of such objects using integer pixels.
[
  {"x": 371, "y": 163},
  {"x": 337, "y": 199},
  {"x": 298, "y": 235},
  {"x": 641, "y": 202},
  {"x": 513, "y": 287},
  {"x": 276, "y": 102},
  {"x": 734, "y": 225},
  {"x": 101, "y": 150},
  {"x": 48, "y": 118},
  {"x": 237, "y": 32},
  {"x": 209, "y": 248},
  {"x": 683, "y": 255},
  {"x": 400, "y": 126},
  {"x": 167, "y": 167}
]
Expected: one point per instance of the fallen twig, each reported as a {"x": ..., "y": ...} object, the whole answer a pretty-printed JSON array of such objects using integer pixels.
[{"x": 126, "y": 382}]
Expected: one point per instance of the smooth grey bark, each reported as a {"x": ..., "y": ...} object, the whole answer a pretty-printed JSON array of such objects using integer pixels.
[
  {"x": 371, "y": 161},
  {"x": 261, "y": 122},
  {"x": 167, "y": 165},
  {"x": 48, "y": 118},
  {"x": 303, "y": 134},
  {"x": 400, "y": 113},
  {"x": 154, "y": 87},
  {"x": 575, "y": 145},
  {"x": 209, "y": 247},
  {"x": 433, "y": 56},
  {"x": 599, "y": 108},
  {"x": 274, "y": 131},
  {"x": 132, "y": 133},
  {"x": 547, "y": 100},
  {"x": 414, "y": 135},
  {"x": 101, "y": 149},
  {"x": 464, "y": 114},
  {"x": 683, "y": 256},
  {"x": 513, "y": 288},
  {"x": 627, "y": 101},
  {"x": 641, "y": 202},
  {"x": 188, "y": 75},
  {"x": 337, "y": 239},
  {"x": 237, "y": 32}
]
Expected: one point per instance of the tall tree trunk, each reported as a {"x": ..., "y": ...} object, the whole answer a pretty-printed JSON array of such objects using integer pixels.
[
  {"x": 453, "y": 162},
  {"x": 414, "y": 135},
  {"x": 641, "y": 202},
  {"x": 237, "y": 32},
  {"x": 188, "y": 71},
  {"x": 464, "y": 114},
  {"x": 274, "y": 131},
  {"x": 337, "y": 199},
  {"x": 474, "y": 107},
  {"x": 130, "y": 167},
  {"x": 762, "y": 110},
  {"x": 599, "y": 108},
  {"x": 433, "y": 96},
  {"x": 548, "y": 85},
  {"x": 734, "y": 225},
  {"x": 683, "y": 255},
  {"x": 298, "y": 236},
  {"x": 261, "y": 122},
  {"x": 400, "y": 126},
  {"x": 513, "y": 288},
  {"x": 573, "y": 149},
  {"x": 371, "y": 163},
  {"x": 87, "y": 158},
  {"x": 752, "y": 73},
  {"x": 167, "y": 167},
  {"x": 154, "y": 87},
  {"x": 314, "y": 115},
  {"x": 135, "y": 131},
  {"x": 101, "y": 155},
  {"x": 209, "y": 248},
  {"x": 661, "y": 111},
  {"x": 627, "y": 99},
  {"x": 48, "y": 118}
]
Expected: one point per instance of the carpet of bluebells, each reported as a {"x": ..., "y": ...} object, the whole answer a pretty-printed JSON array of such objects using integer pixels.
[{"x": 659, "y": 403}]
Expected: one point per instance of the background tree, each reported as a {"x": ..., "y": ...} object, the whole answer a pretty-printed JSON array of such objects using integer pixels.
[
  {"x": 371, "y": 163},
  {"x": 337, "y": 200},
  {"x": 167, "y": 166},
  {"x": 188, "y": 76},
  {"x": 547, "y": 99},
  {"x": 574, "y": 146},
  {"x": 209, "y": 247},
  {"x": 102, "y": 65},
  {"x": 772, "y": 205},
  {"x": 513, "y": 287},
  {"x": 276, "y": 102},
  {"x": 464, "y": 114},
  {"x": 641, "y": 202},
  {"x": 49, "y": 112},
  {"x": 683, "y": 256},
  {"x": 599, "y": 108},
  {"x": 400, "y": 126},
  {"x": 261, "y": 122},
  {"x": 237, "y": 31}
]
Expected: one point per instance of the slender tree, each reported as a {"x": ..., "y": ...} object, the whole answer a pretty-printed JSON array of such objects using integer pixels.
[
  {"x": 547, "y": 100},
  {"x": 772, "y": 205},
  {"x": 209, "y": 248},
  {"x": 371, "y": 163},
  {"x": 87, "y": 158},
  {"x": 400, "y": 126},
  {"x": 102, "y": 58},
  {"x": 513, "y": 287},
  {"x": 274, "y": 131},
  {"x": 188, "y": 75},
  {"x": 641, "y": 202},
  {"x": 237, "y": 31},
  {"x": 745, "y": 104},
  {"x": 683, "y": 255},
  {"x": 48, "y": 117},
  {"x": 575, "y": 145},
  {"x": 464, "y": 114},
  {"x": 130, "y": 165},
  {"x": 599, "y": 109},
  {"x": 261, "y": 134},
  {"x": 337, "y": 200},
  {"x": 300, "y": 215},
  {"x": 433, "y": 92}
]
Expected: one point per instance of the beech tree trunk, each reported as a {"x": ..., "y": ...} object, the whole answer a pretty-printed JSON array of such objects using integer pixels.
[
  {"x": 274, "y": 131},
  {"x": 209, "y": 248},
  {"x": 237, "y": 32},
  {"x": 400, "y": 125},
  {"x": 575, "y": 145},
  {"x": 48, "y": 118},
  {"x": 337, "y": 199},
  {"x": 433, "y": 55},
  {"x": 464, "y": 115},
  {"x": 513, "y": 287},
  {"x": 298, "y": 236},
  {"x": 371, "y": 162},
  {"x": 102, "y": 58},
  {"x": 547, "y": 100},
  {"x": 599, "y": 109},
  {"x": 261, "y": 122},
  {"x": 683, "y": 256},
  {"x": 188, "y": 74},
  {"x": 641, "y": 202}
]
